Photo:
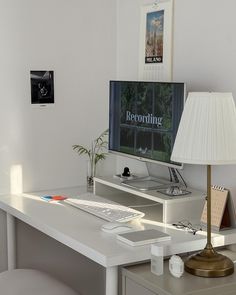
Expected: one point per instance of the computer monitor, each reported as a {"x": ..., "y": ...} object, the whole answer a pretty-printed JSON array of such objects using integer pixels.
[{"x": 144, "y": 119}]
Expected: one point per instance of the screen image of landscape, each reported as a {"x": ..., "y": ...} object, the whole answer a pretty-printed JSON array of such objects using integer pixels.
[{"x": 144, "y": 118}]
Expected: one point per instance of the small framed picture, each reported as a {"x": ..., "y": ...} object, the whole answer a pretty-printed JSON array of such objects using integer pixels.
[{"x": 42, "y": 87}]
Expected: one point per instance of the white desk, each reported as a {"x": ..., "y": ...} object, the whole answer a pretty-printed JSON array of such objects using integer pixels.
[{"x": 81, "y": 232}]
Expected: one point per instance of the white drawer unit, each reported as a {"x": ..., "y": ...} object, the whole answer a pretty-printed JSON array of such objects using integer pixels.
[{"x": 139, "y": 280}]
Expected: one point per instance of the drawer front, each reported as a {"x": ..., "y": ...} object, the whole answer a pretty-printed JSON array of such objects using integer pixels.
[{"x": 132, "y": 288}]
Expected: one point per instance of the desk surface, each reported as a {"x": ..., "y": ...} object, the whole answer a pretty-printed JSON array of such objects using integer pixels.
[{"x": 81, "y": 231}]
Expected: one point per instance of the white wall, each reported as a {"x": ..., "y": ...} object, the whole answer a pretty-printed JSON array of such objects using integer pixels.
[
  {"x": 77, "y": 40},
  {"x": 204, "y": 56}
]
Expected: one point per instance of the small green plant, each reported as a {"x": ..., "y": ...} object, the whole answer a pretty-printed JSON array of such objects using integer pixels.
[{"x": 95, "y": 153}]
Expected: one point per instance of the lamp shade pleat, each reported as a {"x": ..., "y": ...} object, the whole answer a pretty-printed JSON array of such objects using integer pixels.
[{"x": 207, "y": 130}]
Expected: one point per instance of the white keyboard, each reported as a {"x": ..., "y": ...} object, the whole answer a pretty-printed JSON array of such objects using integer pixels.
[{"x": 104, "y": 208}]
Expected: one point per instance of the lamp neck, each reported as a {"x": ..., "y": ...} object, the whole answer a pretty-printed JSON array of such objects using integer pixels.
[{"x": 209, "y": 206}]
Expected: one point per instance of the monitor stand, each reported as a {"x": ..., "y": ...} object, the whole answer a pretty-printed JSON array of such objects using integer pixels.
[
  {"x": 149, "y": 183},
  {"x": 170, "y": 188},
  {"x": 146, "y": 183}
]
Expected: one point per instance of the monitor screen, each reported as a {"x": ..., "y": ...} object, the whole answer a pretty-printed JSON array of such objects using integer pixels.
[{"x": 144, "y": 119}]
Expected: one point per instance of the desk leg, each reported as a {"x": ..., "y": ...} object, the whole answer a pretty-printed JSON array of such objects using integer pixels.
[
  {"x": 11, "y": 242},
  {"x": 112, "y": 280}
]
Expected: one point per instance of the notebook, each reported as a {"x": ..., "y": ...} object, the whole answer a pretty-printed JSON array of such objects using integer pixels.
[{"x": 143, "y": 237}]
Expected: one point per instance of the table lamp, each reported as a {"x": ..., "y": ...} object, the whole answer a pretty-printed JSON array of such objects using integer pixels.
[{"x": 207, "y": 136}]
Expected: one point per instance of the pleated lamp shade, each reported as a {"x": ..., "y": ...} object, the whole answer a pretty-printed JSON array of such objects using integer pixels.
[{"x": 207, "y": 130}]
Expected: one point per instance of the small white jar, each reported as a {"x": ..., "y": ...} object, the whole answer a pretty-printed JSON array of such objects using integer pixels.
[{"x": 176, "y": 266}]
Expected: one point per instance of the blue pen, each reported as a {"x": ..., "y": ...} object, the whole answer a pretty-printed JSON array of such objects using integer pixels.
[{"x": 46, "y": 198}]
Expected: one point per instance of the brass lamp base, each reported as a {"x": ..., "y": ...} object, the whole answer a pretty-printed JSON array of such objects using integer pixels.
[{"x": 208, "y": 263}]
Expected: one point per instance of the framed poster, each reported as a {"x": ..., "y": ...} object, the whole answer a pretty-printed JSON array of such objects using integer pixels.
[
  {"x": 42, "y": 87},
  {"x": 155, "y": 56}
]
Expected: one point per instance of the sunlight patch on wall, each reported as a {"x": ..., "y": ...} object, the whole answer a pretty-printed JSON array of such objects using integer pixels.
[{"x": 16, "y": 179}]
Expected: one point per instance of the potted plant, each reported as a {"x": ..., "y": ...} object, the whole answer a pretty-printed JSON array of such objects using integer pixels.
[{"x": 96, "y": 152}]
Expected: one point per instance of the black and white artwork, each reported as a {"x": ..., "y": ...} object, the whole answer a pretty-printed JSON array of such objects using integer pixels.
[{"x": 42, "y": 87}]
